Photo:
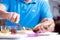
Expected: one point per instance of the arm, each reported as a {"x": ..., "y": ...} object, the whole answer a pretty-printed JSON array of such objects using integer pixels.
[
  {"x": 2, "y": 7},
  {"x": 47, "y": 23},
  {"x": 3, "y": 11},
  {"x": 12, "y": 16}
]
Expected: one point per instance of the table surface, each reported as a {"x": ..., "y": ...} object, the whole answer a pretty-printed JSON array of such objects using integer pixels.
[{"x": 42, "y": 36}]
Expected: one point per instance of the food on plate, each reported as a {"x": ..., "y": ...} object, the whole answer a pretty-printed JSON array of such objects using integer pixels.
[
  {"x": 5, "y": 31},
  {"x": 26, "y": 31},
  {"x": 29, "y": 32},
  {"x": 13, "y": 30},
  {"x": 21, "y": 32}
]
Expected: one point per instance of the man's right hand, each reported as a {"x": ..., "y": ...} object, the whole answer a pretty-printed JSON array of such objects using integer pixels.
[{"x": 12, "y": 16}]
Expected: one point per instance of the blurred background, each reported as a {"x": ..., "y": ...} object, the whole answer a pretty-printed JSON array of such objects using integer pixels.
[{"x": 55, "y": 8}]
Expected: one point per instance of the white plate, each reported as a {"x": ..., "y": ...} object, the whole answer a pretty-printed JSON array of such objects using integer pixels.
[
  {"x": 9, "y": 35},
  {"x": 48, "y": 34}
]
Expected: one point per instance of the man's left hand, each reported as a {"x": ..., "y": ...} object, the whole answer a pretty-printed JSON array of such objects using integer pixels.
[{"x": 44, "y": 26}]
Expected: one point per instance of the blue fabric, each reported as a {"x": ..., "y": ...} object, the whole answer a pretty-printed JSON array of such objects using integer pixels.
[
  {"x": 5, "y": 2},
  {"x": 30, "y": 14}
]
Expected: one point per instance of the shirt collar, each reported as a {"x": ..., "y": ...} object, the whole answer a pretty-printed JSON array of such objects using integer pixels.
[{"x": 32, "y": 2}]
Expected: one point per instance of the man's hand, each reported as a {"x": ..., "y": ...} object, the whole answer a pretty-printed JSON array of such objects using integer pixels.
[
  {"x": 44, "y": 26},
  {"x": 12, "y": 16}
]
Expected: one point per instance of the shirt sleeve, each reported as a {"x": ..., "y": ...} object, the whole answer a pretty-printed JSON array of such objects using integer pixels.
[
  {"x": 45, "y": 10},
  {"x": 5, "y": 3}
]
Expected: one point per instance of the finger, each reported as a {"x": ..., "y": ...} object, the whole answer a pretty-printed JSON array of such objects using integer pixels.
[
  {"x": 9, "y": 15},
  {"x": 17, "y": 18},
  {"x": 36, "y": 29},
  {"x": 37, "y": 26},
  {"x": 51, "y": 27},
  {"x": 39, "y": 31},
  {"x": 42, "y": 29},
  {"x": 13, "y": 16}
]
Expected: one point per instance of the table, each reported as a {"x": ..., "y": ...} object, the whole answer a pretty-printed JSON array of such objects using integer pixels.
[{"x": 50, "y": 36}]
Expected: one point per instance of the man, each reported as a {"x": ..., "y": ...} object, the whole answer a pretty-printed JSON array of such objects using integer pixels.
[{"x": 34, "y": 14}]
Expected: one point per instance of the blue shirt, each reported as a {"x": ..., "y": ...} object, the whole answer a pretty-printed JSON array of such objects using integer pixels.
[{"x": 30, "y": 13}]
